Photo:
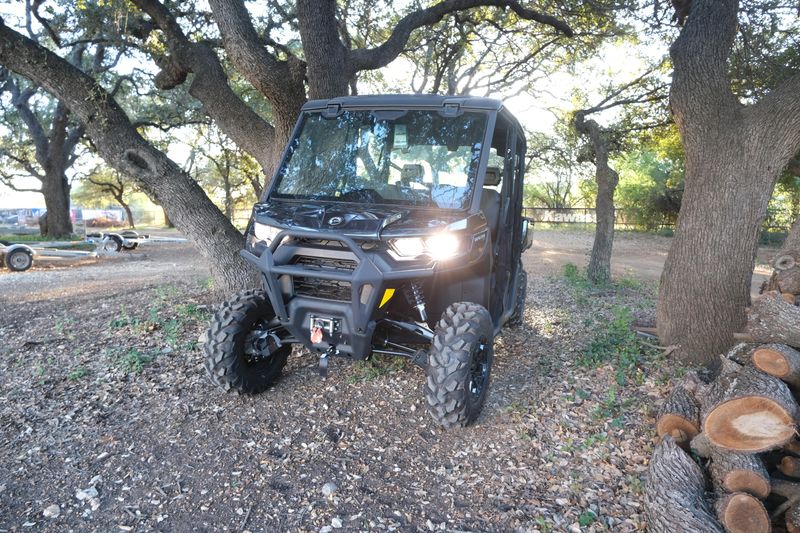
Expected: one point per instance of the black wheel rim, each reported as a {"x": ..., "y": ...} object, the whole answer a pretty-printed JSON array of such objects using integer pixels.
[
  {"x": 261, "y": 342},
  {"x": 479, "y": 371}
]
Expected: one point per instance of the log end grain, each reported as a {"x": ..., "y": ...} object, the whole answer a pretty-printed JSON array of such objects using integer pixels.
[
  {"x": 743, "y": 513},
  {"x": 749, "y": 424},
  {"x": 678, "y": 428},
  {"x": 770, "y": 361},
  {"x": 793, "y": 519},
  {"x": 747, "y": 481}
]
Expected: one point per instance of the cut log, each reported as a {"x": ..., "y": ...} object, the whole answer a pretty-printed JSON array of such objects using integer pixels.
[
  {"x": 742, "y": 353},
  {"x": 675, "y": 493},
  {"x": 786, "y": 489},
  {"x": 780, "y": 361},
  {"x": 789, "y": 297},
  {"x": 772, "y": 319},
  {"x": 742, "y": 513},
  {"x": 790, "y": 466},
  {"x": 793, "y": 519},
  {"x": 739, "y": 472},
  {"x": 745, "y": 410},
  {"x": 679, "y": 417}
]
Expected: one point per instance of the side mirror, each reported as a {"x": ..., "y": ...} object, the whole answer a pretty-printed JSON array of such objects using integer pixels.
[{"x": 527, "y": 234}]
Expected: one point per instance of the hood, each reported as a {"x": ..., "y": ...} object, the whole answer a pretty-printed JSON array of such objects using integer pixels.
[{"x": 355, "y": 220}]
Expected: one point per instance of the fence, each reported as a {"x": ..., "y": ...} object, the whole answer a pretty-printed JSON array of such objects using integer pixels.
[{"x": 584, "y": 215}]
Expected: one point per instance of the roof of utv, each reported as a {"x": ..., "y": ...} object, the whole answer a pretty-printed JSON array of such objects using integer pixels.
[{"x": 395, "y": 101}]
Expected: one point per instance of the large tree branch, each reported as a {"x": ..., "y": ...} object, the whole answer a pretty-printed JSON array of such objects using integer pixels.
[
  {"x": 281, "y": 82},
  {"x": 124, "y": 149},
  {"x": 380, "y": 56},
  {"x": 778, "y": 115},
  {"x": 210, "y": 85}
]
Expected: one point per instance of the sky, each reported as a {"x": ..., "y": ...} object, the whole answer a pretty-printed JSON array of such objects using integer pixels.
[{"x": 534, "y": 109}]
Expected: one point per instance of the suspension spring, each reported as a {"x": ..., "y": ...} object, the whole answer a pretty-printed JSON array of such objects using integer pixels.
[{"x": 416, "y": 298}]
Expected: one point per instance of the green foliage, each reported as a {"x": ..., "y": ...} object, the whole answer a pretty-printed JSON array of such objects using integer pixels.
[
  {"x": 376, "y": 367},
  {"x": 78, "y": 373},
  {"x": 650, "y": 190},
  {"x": 587, "y": 518},
  {"x": 133, "y": 362}
]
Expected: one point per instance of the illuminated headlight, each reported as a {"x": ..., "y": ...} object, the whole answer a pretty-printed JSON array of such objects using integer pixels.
[
  {"x": 439, "y": 247},
  {"x": 265, "y": 233}
]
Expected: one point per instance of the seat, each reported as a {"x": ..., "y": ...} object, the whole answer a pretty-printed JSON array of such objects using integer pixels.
[
  {"x": 490, "y": 205},
  {"x": 490, "y": 199},
  {"x": 411, "y": 173}
]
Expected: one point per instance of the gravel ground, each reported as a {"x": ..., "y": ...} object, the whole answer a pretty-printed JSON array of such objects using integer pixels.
[{"x": 107, "y": 422}]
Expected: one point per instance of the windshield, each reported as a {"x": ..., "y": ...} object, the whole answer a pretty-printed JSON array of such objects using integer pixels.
[{"x": 418, "y": 158}]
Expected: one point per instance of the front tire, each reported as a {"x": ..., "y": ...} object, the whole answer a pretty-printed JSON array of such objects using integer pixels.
[
  {"x": 19, "y": 260},
  {"x": 459, "y": 364},
  {"x": 241, "y": 350}
]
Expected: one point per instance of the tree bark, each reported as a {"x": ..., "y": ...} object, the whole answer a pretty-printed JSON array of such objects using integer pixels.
[
  {"x": 121, "y": 146},
  {"x": 780, "y": 361},
  {"x": 745, "y": 410},
  {"x": 675, "y": 493},
  {"x": 773, "y": 319},
  {"x": 599, "y": 269},
  {"x": 734, "y": 155}
]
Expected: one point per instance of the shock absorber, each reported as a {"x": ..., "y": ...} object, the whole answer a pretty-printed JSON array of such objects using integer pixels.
[{"x": 416, "y": 298}]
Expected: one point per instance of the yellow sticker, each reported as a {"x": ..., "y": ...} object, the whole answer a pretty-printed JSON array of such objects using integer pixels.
[{"x": 387, "y": 295}]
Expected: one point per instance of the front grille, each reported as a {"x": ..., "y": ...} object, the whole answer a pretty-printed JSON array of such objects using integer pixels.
[
  {"x": 326, "y": 263},
  {"x": 324, "y": 288}
]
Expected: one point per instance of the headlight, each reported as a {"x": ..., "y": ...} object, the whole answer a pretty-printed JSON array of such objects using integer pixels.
[
  {"x": 439, "y": 247},
  {"x": 265, "y": 233}
]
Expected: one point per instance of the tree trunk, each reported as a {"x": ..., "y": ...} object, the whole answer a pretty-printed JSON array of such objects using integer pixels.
[
  {"x": 328, "y": 70},
  {"x": 128, "y": 212},
  {"x": 599, "y": 269},
  {"x": 780, "y": 361},
  {"x": 742, "y": 513},
  {"x": 773, "y": 319},
  {"x": 55, "y": 188},
  {"x": 745, "y": 410},
  {"x": 734, "y": 155},
  {"x": 675, "y": 493}
]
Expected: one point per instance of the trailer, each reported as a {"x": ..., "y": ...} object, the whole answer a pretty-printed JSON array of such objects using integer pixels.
[
  {"x": 125, "y": 240},
  {"x": 20, "y": 257}
]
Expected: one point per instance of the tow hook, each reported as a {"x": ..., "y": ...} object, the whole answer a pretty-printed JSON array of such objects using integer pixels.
[{"x": 323, "y": 360}]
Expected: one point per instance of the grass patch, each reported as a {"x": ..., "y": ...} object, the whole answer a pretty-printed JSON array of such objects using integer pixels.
[
  {"x": 78, "y": 373},
  {"x": 375, "y": 367},
  {"x": 132, "y": 362},
  {"x": 35, "y": 237}
]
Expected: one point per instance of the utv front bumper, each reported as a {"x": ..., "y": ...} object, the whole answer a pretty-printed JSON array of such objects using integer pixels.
[{"x": 300, "y": 259}]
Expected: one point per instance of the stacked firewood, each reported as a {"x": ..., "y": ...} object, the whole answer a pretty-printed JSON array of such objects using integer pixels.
[{"x": 728, "y": 458}]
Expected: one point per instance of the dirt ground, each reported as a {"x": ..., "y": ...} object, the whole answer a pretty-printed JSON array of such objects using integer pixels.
[{"x": 108, "y": 423}]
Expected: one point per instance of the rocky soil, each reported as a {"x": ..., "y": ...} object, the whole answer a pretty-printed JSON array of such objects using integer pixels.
[{"x": 108, "y": 423}]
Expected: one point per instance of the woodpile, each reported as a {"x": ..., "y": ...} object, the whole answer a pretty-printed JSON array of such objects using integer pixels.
[{"x": 728, "y": 457}]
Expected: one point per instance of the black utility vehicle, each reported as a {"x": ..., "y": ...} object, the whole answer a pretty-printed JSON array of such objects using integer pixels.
[{"x": 393, "y": 226}]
